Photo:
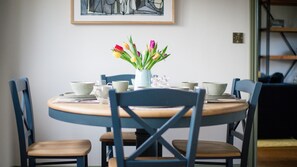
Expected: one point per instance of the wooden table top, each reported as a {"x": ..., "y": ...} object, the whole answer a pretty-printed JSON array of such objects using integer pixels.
[{"x": 209, "y": 109}]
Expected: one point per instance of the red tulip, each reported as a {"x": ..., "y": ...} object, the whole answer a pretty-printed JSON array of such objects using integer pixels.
[{"x": 118, "y": 48}]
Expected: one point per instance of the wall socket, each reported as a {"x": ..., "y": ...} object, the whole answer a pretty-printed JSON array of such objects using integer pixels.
[{"x": 237, "y": 37}]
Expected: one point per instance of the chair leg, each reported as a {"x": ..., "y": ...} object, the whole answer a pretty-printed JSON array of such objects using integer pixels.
[
  {"x": 86, "y": 161},
  {"x": 103, "y": 154},
  {"x": 32, "y": 162},
  {"x": 243, "y": 161},
  {"x": 229, "y": 162},
  {"x": 110, "y": 152},
  {"x": 24, "y": 160},
  {"x": 80, "y": 161},
  {"x": 159, "y": 150}
]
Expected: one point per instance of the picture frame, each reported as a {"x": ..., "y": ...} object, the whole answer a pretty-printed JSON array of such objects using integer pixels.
[{"x": 122, "y": 12}]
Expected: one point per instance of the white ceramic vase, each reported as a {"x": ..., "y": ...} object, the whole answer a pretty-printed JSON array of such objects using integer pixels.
[{"x": 142, "y": 79}]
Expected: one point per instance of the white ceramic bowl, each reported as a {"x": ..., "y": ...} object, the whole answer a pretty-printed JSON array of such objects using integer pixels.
[
  {"x": 82, "y": 87},
  {"x": 190, "y": 85},
  {"x": 214, "y": 88}
]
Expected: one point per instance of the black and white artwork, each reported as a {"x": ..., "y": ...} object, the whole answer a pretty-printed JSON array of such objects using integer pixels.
[
  {"x": 122, "y": 11},
  {"x": 122, "y": 7}
]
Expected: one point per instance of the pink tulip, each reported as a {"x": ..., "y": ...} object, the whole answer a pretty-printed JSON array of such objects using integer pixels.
[{"x": 152, "y": 44}]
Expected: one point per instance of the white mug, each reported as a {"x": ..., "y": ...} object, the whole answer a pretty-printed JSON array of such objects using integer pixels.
[
  {"x": 120, "y": 86},
  {"x": 101, "y": 92}
]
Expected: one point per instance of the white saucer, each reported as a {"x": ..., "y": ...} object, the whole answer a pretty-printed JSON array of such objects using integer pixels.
[{"x": 72, "y": 95}]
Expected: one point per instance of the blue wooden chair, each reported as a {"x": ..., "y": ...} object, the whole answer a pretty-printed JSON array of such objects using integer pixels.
[
  {"x": 226, "y": 150},
  {"x": 30, "y": 150},
  {"x": 156, "y": 127},
  {"x": 107, "y": 139},
  {"x": 109, "y": 79}
]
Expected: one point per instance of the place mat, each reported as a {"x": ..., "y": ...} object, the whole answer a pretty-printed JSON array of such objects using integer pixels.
[
  {"x": 226, "y": 101},
  {"x": 74, "y": 101},
  {"x": 276, "y": 142},
  {"x": 225, "y": 98},
  {"x": 73, "y": 95},
  {"x": 155, "y": 108},
  {"x": 72, "y": 98}
]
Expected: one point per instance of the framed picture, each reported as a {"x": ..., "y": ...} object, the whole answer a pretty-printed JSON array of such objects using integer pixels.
[{"x": 122, "y": 11}]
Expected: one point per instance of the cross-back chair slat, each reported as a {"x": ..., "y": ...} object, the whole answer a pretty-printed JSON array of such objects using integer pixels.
[{"x": 130, "y": 102}]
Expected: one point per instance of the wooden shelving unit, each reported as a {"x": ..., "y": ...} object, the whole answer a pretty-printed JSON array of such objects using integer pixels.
[
  {"x": 282, "y": 2},
  {"x": 283, "y": 31},
  {"x": 282, "y": 57}
]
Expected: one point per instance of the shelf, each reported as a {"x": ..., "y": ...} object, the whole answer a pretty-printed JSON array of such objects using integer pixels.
[
  {"x": 284, "y": 57},
  {"x": 282, "y": 29},
  {"x": 282, "y": 2}
]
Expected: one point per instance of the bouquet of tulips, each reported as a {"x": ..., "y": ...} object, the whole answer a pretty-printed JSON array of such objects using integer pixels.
[{"x": 141, "y": 61}]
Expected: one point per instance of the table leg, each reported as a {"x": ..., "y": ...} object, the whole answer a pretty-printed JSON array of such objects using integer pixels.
[{"x": 154, "y": 150}]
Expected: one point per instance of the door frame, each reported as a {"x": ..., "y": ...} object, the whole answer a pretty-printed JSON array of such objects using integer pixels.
[{"x": 254, "y": 52}]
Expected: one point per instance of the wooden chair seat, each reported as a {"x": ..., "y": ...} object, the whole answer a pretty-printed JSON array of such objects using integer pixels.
[
  {"x": 209, "y": 149},
  {"x": 129, "y": 138},
  {"x": 61, "y": 148},
  {"x": 112, "y": 162}
]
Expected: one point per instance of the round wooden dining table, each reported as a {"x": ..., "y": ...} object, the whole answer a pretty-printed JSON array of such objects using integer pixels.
[{"x": 96, "y": 114}]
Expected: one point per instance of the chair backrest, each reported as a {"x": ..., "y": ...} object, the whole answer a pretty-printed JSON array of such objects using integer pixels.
[
  {"x": 21, "y": 97},
  {"x": 109, "y": 79},
  {"x": 157, "y": 98},
  {"x": 121, "y": 77},
  {"x": 253, "y": 90}
]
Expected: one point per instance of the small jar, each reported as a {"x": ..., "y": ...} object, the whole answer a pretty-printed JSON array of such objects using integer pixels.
[{"x": 295, "y": 80}]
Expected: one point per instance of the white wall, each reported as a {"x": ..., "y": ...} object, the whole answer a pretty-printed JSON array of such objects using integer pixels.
[{"x": 38, "y": 41}]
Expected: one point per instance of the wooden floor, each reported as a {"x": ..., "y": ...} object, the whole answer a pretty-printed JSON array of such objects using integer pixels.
[{"x": 277, "y": 156}]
